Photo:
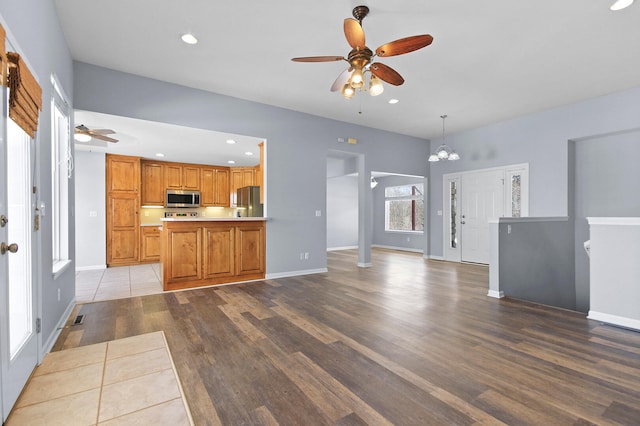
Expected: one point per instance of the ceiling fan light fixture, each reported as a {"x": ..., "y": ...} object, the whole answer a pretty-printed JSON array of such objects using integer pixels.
[
  {"x": 348, "y": 91},
  {"x": 82, "y": 137},
  {"x": 621, "y": 4},
  {"x": 357, "y": 78},
  {"x": 375, "y": 86}
]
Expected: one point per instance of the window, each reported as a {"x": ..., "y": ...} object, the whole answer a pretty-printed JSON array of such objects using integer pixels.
[
  {"x": 404, "y": 208},
  {"x": 61, "y": 169}
]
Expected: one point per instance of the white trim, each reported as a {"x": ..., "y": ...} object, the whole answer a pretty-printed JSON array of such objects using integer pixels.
[
  {"x": 615, "y": 319},
  {"x": 46, "y": 347},
  {"x": 413, "y": 250},
  {"x": 59, "y": 267},
  {"x": 295, "y": 273},
  {"x": 90, "y": 268},
  {"x": 365, "y": 265},
  {"x": 495, "y": 294},
  {"x": 529, "y": 219},
  {"x": 341, "y": 248},
  {"x": 433, "y": 257},
  {"x": 626, "y": 221}
]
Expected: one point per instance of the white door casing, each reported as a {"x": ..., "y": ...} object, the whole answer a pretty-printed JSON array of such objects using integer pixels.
[{"x": 480, "y": 195}]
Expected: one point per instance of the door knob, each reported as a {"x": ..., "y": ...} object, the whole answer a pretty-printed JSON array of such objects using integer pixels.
[
  {"x": 463, "y": 222},
  {"x": 4, "y": 247}
]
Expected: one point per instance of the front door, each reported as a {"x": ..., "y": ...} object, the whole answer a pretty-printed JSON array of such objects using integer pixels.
[
  {"x": 18, "y": 339},
  {"x": 482, "y": 198}
]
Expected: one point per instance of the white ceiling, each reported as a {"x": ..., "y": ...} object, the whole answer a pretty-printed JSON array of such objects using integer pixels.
[
  {"x": 490, "y": 60},
  {"x": 182, "y": 144}
]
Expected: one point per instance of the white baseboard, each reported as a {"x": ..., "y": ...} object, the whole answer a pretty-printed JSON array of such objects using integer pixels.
[
  {"x": 496, "y": 294},
  {"x": 90, "y": 268},
  {"x": 413, "y": 250},
  {"x": 433, "y": 257},
  {"x": 365, "y": 265},
  {"x": 342, "y": 248},
  {"x": 615, "y": 319},
  {"x": 46, "y": 346},
  {"x": 295, "y": 273}
]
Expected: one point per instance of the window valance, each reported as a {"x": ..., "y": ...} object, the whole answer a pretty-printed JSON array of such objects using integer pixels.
[{"x": 25, "y": 95}]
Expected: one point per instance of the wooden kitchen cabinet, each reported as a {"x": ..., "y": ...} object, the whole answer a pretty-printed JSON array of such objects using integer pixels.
[
  {"x": 182, "y": 176},
  {"x": 173, "y": 176},
  {"x": 150, "y": 244},
  {"x": 219, "y": 251},
  {"x": 122, "y": 229},
  {"x": 153, "y": 189},
  {"x": 240, "y": 177},
  {"x": 123, "y": 204},
  {"x": 214, "y": 187},
  {"x": 199, "y": 253},
  {"x": 123, "y": 173}
]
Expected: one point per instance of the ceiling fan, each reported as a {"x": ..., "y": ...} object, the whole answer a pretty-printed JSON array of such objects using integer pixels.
[
  {"x": 360, "y": 58},
  {"x": 84, "y": 134}
]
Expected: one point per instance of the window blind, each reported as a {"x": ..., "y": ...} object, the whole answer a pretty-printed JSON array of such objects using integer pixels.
[{"x": 25, "y": 95}]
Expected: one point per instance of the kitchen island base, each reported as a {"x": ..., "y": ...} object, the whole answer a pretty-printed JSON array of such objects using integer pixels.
[{"x": 203, "y": 252}]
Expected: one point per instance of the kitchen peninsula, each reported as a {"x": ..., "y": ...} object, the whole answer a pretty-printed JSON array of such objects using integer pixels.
[{"x": 207, "y": 251}]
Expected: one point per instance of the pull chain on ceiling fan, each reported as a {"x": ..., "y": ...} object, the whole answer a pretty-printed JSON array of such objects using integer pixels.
[{"x": 360, "y": 58}]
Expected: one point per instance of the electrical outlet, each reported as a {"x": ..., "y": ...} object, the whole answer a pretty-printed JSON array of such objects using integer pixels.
[
  {"x": 306, "y": 256},
  {"x": 301, "y": 256},
  {"x": 508, "y": 229},
  {"x": 58, "y": 295}
]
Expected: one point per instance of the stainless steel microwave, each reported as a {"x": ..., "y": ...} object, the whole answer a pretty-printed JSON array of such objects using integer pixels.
[{"x": 176, "y": 198}]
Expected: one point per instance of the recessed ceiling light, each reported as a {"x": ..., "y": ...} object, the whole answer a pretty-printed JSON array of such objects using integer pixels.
[
  {"x": 393, "y": 101},
  {"x": 231, "y": 162},
  {"x": 230, "y": 141},
  {"x": 159, "y": 154},
  {"x": 189, "y": 38},
  {"x": 248, "y": 153}
]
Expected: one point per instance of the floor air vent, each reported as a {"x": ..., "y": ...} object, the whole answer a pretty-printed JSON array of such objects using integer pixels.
[{"x": 78, "y": 320}]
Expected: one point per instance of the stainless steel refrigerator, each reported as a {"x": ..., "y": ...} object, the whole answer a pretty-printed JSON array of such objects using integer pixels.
[{"x": 248, "y": 201}]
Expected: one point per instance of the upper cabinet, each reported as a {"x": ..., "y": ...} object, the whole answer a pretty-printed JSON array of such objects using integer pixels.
[
  {"x": 241, "y": 177},
  {"x": 153, "y": 181},
  {"x": 123, "y": 173},
  {"x": 214, "y": 187},
  {"x": 182, "y": 176}
]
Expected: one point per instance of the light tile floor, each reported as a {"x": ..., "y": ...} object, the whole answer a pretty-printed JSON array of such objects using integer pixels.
[
  {"x": 118, "y": 282},
  {"x": 122, "y": 382}
]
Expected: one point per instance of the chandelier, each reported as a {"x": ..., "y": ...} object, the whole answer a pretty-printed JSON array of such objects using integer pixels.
[{"x": 444, "y": 152}]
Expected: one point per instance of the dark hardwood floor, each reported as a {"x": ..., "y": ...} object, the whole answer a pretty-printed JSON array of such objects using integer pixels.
[{"x": 408, "y": 342}]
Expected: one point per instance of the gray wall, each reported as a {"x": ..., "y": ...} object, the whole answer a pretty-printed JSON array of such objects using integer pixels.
[
  {"x": 536, "y": 261},
  {"x": 607, "y": 176},
  {"x": 342, "y": 212},
  {"x": 91, "y": 233},
  {"x": 296, "y": 150},
  {"x": 33, "y": 26},
  {"x": 402, "y": 240},
  {"x": 541, "y": 140}
]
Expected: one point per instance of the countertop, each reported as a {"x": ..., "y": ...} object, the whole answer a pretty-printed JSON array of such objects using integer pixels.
[{"x": 213, "y": 219}]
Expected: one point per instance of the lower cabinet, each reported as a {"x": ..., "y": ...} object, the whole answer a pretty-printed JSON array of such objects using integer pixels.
[
  {"x": 199, "y": 253},
  {"x": 150, "y": 244}
]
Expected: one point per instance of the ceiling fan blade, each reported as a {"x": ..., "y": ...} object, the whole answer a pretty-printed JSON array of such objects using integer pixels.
[
  {"x": 101, "y": 131},
  {"x": 404, "y": 45},
  {"x": 386, "y": 73},
  {"x": 318, "y": 59},
  {"x": 354, "y": 33},
  {"x": 341, "y": 80},
  {"x": 104, "y": 138}
]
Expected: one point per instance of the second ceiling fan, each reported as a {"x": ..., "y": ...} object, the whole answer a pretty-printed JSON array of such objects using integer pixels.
[{"x": 360, "y": 58}]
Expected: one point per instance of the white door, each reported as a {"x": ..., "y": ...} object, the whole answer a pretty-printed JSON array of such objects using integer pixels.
[
  {"x": 18, "y": 339},
  {"x": 482, "y": 197}
]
